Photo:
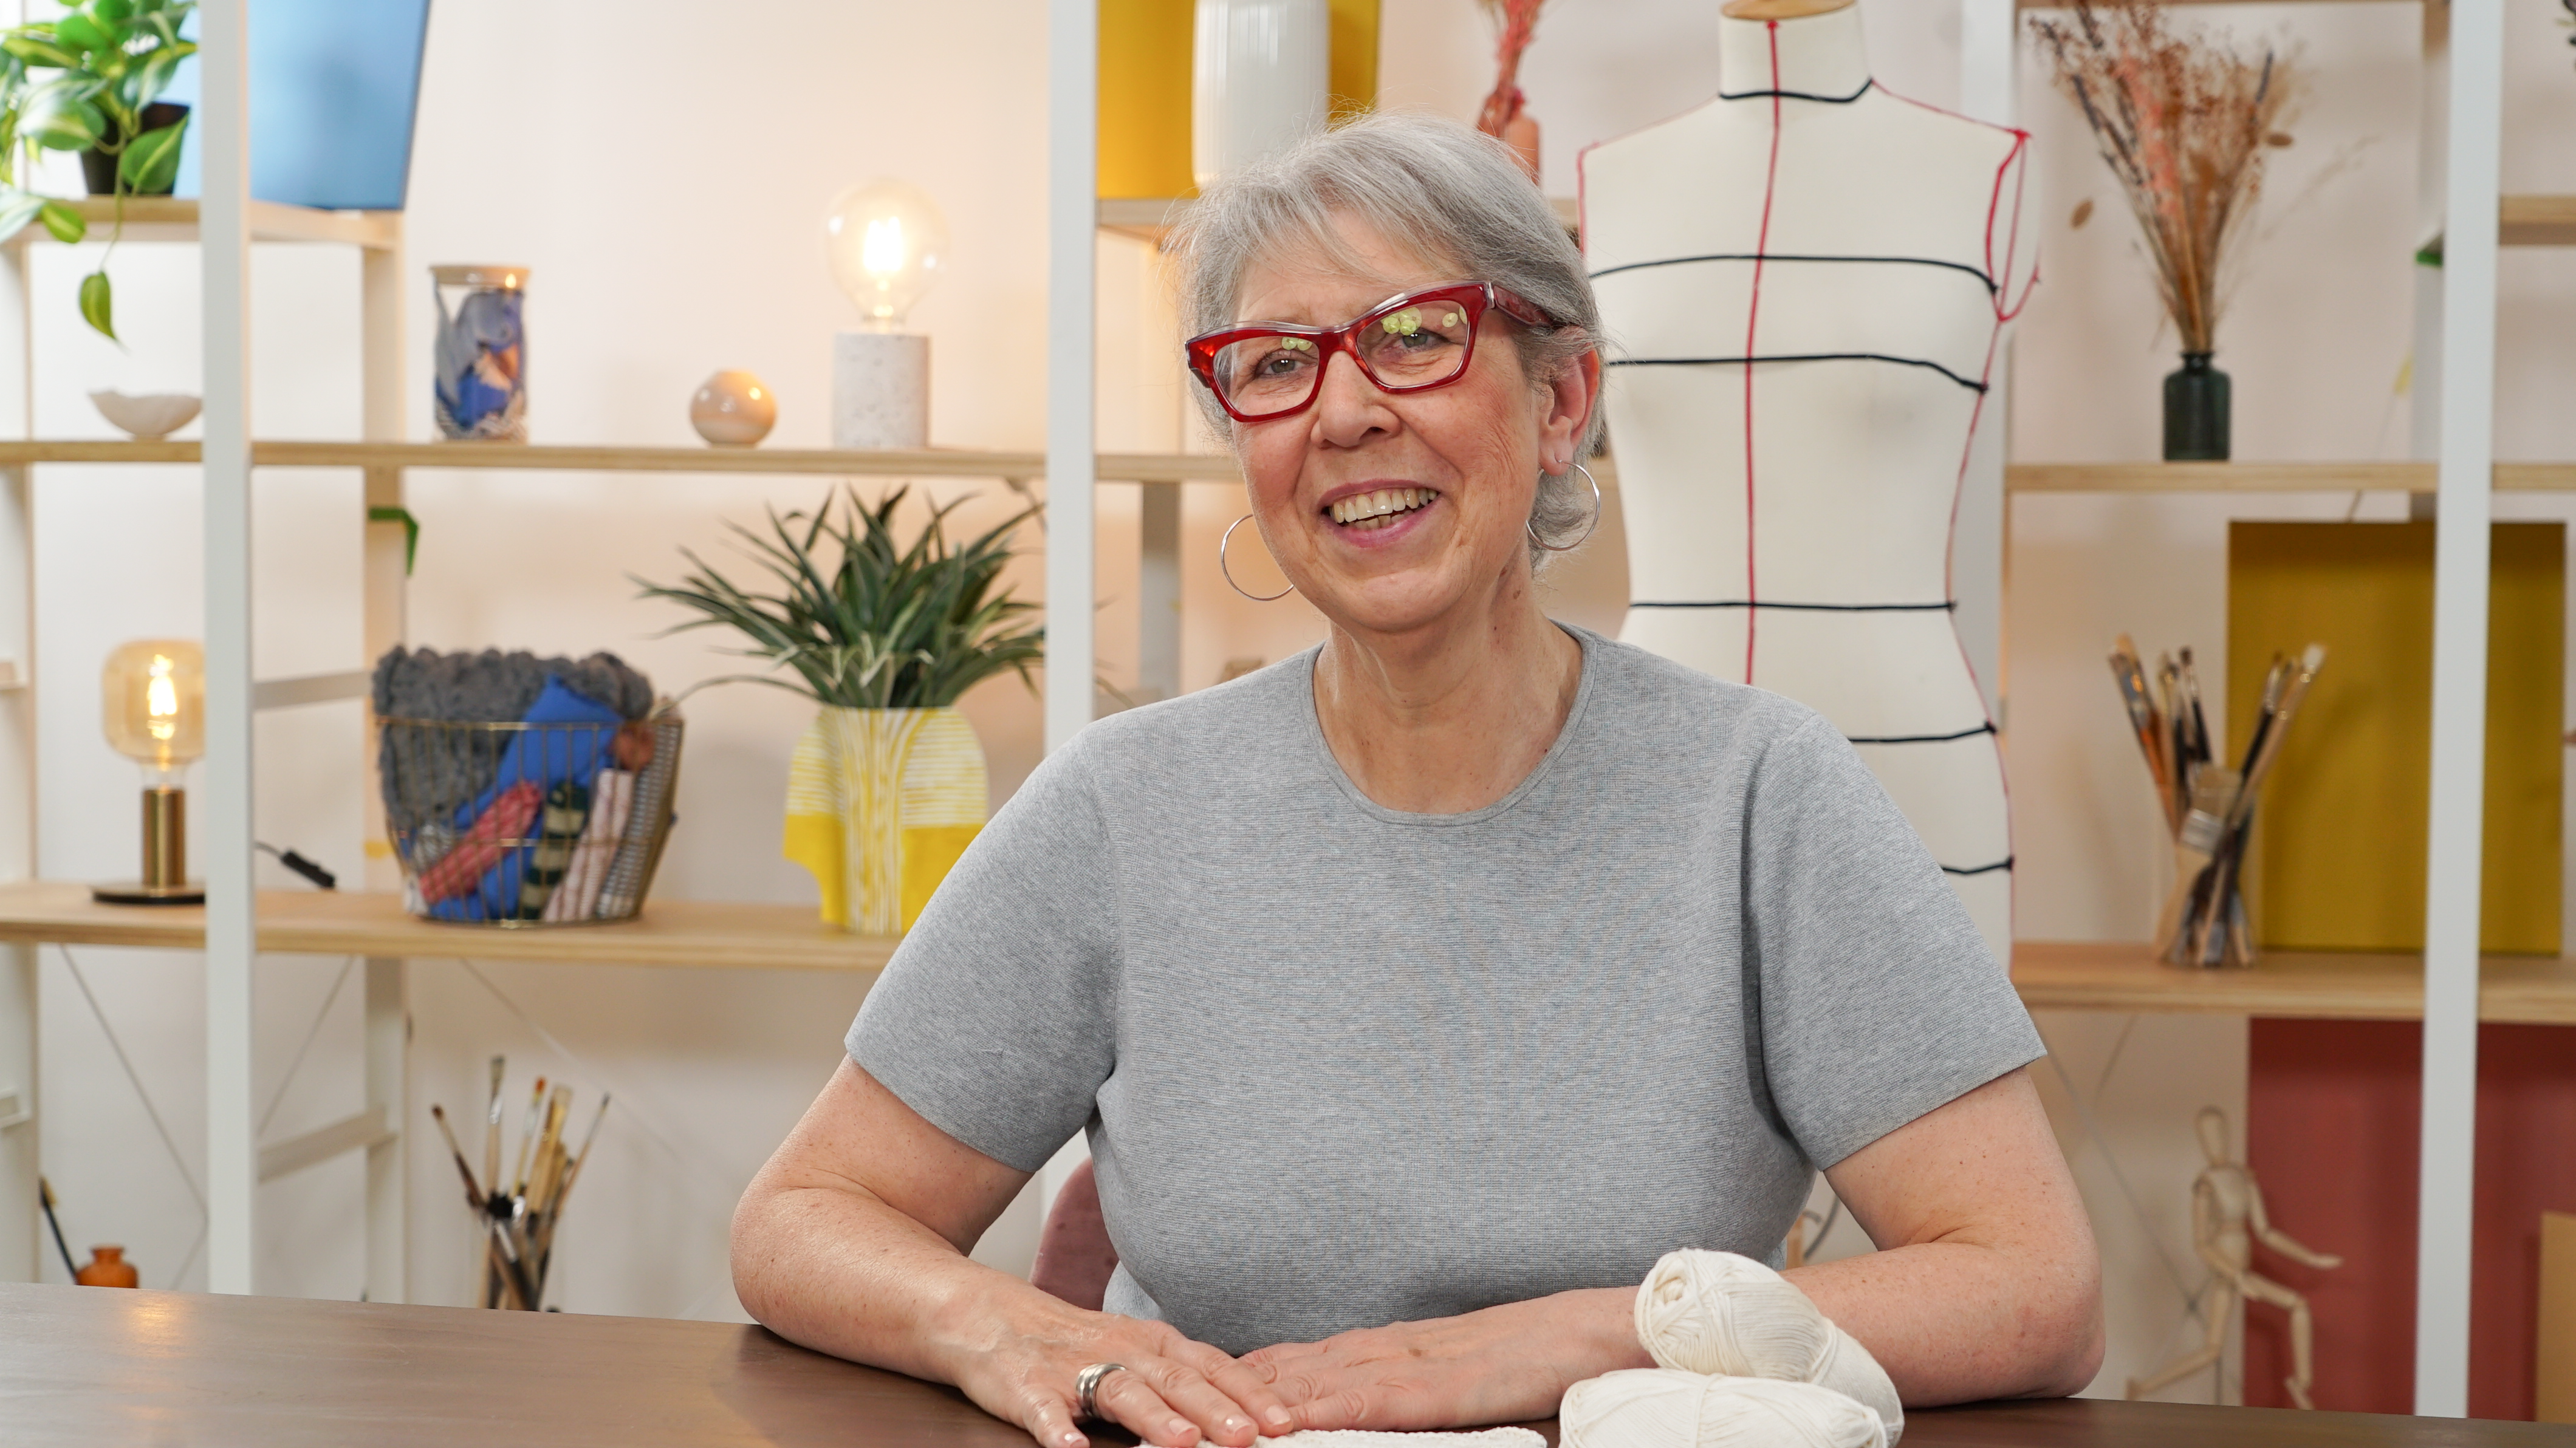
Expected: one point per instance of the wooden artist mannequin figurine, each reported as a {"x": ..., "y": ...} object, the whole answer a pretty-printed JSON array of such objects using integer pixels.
[
  {"x": 1805, "y": 283},
  {"x": 2227, "y": 1219}
]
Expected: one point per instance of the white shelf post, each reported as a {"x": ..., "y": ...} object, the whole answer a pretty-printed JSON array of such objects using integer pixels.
[
  {"x": 1073, "y": 121},
  {"x": 2446, "y": 1187},
  {"x": 388, "y": 1000},
  {"x": 223, "y": 222},
  {"x": 22, "y": 1241}
]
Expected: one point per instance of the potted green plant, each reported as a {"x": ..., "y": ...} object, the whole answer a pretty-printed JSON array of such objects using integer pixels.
[
  {"x": 91, "y": 81},
  {"x": 887, "y": 785}
]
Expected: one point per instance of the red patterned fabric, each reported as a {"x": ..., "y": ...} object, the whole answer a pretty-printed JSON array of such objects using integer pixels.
[
  {"x": 1075, "y": 1257},
  {"x": 504, "y": 823}
]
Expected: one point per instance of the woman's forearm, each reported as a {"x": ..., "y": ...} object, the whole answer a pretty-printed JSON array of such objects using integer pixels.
[
  {"x": 1953, "y": 1323},
  {"x": 838, "y": 1270}
]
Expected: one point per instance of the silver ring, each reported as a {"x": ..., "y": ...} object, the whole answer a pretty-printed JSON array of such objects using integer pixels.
[
  {"x": 1086, "y": 1386},
  {"x": 1221, "y": 566},
  {"x": 1587, "y": 533}
]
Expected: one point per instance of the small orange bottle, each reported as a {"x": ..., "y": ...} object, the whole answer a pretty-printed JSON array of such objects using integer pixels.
[{"x": 108, "y": 1268}]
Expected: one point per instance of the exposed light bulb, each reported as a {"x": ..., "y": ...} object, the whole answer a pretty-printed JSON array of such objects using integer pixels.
[
  {"x": 153, "y": 698},
  {"x": 884, "y": 241}
]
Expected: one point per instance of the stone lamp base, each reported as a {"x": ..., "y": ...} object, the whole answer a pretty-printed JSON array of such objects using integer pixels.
[{"x": 880, "y": 390}]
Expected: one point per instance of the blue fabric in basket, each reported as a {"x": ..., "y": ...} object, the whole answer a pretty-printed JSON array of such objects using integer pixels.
[{"x": 548, "y": 757}]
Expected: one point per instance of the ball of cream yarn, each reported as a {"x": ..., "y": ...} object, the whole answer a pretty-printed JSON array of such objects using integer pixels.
[
  {"x": 1664, "y": 1408},
  {"x": 1717, "y": 1312}
]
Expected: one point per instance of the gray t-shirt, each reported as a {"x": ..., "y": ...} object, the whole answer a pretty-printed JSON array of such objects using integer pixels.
[{"x": 1343, "y": 1065}]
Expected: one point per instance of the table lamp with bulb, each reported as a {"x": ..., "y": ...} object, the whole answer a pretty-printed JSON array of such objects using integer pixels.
[
  {"x": 884, "y": 241},
  {"x": 155, "y": 714}
]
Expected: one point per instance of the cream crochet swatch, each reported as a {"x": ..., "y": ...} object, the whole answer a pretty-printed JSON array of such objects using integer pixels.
[
  {"x": 1666, "y": 1408},
  {"x": 1719, "y": 1313},
  {"x": 1366, "y": 1438}
]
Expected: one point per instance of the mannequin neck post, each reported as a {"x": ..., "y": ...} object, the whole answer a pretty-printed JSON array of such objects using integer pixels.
[{"x": 1821, "y": 55}]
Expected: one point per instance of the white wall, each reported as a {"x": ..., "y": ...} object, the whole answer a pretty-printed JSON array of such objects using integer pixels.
[{"x": 667, "y": 192}]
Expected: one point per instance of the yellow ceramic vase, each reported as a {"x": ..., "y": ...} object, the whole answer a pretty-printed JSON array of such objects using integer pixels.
[{"x": 880, "y": 802}]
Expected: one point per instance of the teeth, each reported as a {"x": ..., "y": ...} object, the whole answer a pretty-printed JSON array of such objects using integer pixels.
[{"x": 1362, "y": 507}]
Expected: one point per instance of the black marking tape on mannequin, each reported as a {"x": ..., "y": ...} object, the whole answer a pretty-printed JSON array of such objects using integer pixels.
[
  {"x": 1970, "y": 383},
  {"x": 1797, "y": 95},
  {"x": 1772, "y": 256},
  {"x": 1944, "y": 607},
  {"x": 1985, "y": 728},
  {"x": 2003, "y": 864}
]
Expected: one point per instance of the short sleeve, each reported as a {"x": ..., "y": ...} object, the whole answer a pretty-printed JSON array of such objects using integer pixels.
[
  {"x": 1879, "y": 1001},
  {"x": 995, "y": 1018}
]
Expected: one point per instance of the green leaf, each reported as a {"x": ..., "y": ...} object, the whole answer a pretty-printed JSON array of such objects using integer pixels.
[
  {"x": 17, "y": 208},
  {"x": 151, "y": 160},
  {"x": 97, "y": 304},
  {"x": 67, "y": 224},
  {"x": 111, "y": 12},
  {"x": 148, "y": 80},
  {"x": 162, "y": 25},
  {"x": 59, "y": 119},
  {"x": 37, "y": 49},
  {"x": 78, "y": 32}
]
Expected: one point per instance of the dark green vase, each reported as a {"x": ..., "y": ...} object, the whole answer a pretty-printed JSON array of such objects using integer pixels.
[{"x": 2196, "y": 400}]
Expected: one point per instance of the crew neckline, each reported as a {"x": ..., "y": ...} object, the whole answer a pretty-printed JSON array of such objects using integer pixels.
[{"x": 1584, "y": 639}]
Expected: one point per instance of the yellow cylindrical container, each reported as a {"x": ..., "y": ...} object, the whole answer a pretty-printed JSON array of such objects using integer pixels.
[{"x": 880, "y": 802}]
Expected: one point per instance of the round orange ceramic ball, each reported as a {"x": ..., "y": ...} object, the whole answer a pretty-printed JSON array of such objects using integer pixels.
[{"x": 733, "y": 409}]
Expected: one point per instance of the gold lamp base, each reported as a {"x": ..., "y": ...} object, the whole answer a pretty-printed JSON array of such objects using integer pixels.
[
  {"x": 165, "y": 857},
  {"x": 135, "y": 892}
]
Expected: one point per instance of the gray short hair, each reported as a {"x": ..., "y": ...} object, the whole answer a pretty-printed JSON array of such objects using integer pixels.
[{"x": 1455, "y": 198}]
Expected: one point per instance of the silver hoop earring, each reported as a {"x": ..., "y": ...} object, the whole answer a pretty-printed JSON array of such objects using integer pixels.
[
  {"x": 1587, "y": 532},
  {"x": 1229, "y": 572}
]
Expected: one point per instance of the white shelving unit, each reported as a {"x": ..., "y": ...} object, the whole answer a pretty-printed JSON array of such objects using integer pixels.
[{"x": 2455, "y": 347}]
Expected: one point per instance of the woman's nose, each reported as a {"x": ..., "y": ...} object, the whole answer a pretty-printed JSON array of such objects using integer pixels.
[{"x": 1348, "y": 406}]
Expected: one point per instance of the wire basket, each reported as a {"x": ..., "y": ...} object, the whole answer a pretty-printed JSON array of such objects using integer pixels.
[{"x": 528, "y": 825}]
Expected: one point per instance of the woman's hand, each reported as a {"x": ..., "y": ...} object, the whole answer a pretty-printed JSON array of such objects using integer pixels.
[
  {"x": 1173, "y": 1393},
  {"x": 853, "y": 1241},
  {"x": 1506, "y": 1364}
]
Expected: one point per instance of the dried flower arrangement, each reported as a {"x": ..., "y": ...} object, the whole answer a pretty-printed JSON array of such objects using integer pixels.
[
  {"x": 2183, "y": 123},
  {"x": 1516, "y": 24}
]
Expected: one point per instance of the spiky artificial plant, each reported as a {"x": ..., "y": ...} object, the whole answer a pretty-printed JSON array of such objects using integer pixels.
[{"x": 883, "y": 626}]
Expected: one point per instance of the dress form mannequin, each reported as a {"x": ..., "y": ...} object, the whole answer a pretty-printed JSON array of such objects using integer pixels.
[{"x": 1805, "y": 283}]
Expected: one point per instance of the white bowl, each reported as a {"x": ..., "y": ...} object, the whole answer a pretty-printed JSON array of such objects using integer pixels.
[{"x": 150, "y": 417}]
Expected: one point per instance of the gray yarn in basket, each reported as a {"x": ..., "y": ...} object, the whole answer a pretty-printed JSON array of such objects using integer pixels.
[{"x": 490, "y": 687}]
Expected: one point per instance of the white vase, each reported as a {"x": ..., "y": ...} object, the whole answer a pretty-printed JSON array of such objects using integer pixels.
[{"x": 1259, "y": 80}]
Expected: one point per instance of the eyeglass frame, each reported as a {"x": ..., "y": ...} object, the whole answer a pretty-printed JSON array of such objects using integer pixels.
[{"x": 1478, "y": 297}]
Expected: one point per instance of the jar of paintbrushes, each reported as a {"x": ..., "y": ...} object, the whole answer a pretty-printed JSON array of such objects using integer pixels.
[
  {"x": 517, "y": 1213},
  {"x": 2208, "y": 806}
]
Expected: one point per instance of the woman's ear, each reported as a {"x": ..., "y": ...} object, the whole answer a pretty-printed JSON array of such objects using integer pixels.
[{"x": 1571, "y": 398}]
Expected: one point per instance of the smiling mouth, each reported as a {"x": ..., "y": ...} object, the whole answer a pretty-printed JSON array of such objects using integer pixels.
[{"x": 1366, "y": 511}]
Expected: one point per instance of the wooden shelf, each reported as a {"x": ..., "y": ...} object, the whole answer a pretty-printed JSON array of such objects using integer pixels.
[
  {"x": 2358, "y": 987},
  {"x": 2270, "y": 477},
  {"x": 163, "y": 218},
  {"x": 2539, "y": 221},
  {"x": 698, "y": 933},
  {"x": 924, "y": 463},
  {"x": 1150, "y": 219}
]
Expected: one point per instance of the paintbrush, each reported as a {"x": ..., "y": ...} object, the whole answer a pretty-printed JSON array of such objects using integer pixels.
[
  {"x": 572, "y": 1173},
  {"x": 2204, "y": 830},
  {"x": 528, "y": 1138},
  {"x": 473, "y": 1194},
  {"x": 2293, "y": 694},
  {"x": 492, "y": 1128},
  {"x": 2200, "y": 752},
  {"x": 2131, "y": 676},
  {"x": 45, "y": 1194},
  {"x": 549, "y": 1166}
]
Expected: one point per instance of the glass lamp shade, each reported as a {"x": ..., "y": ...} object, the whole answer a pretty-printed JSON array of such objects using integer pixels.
[
  {"x": 885, "y": 241},
  {"x": 153, "y": 703}
]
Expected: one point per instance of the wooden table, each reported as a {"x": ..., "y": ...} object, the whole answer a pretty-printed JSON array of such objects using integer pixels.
[{"x": 96, "y": 1366}]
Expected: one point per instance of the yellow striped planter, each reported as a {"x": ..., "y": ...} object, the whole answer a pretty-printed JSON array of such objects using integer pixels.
[{"x": 880, "y": 802}]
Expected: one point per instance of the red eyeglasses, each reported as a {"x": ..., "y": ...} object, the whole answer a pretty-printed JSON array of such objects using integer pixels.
[{"x": 1410, "y": 343}]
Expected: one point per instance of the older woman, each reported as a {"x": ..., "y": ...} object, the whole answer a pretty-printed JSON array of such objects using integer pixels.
[{"x": 1418, "y": 992}]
